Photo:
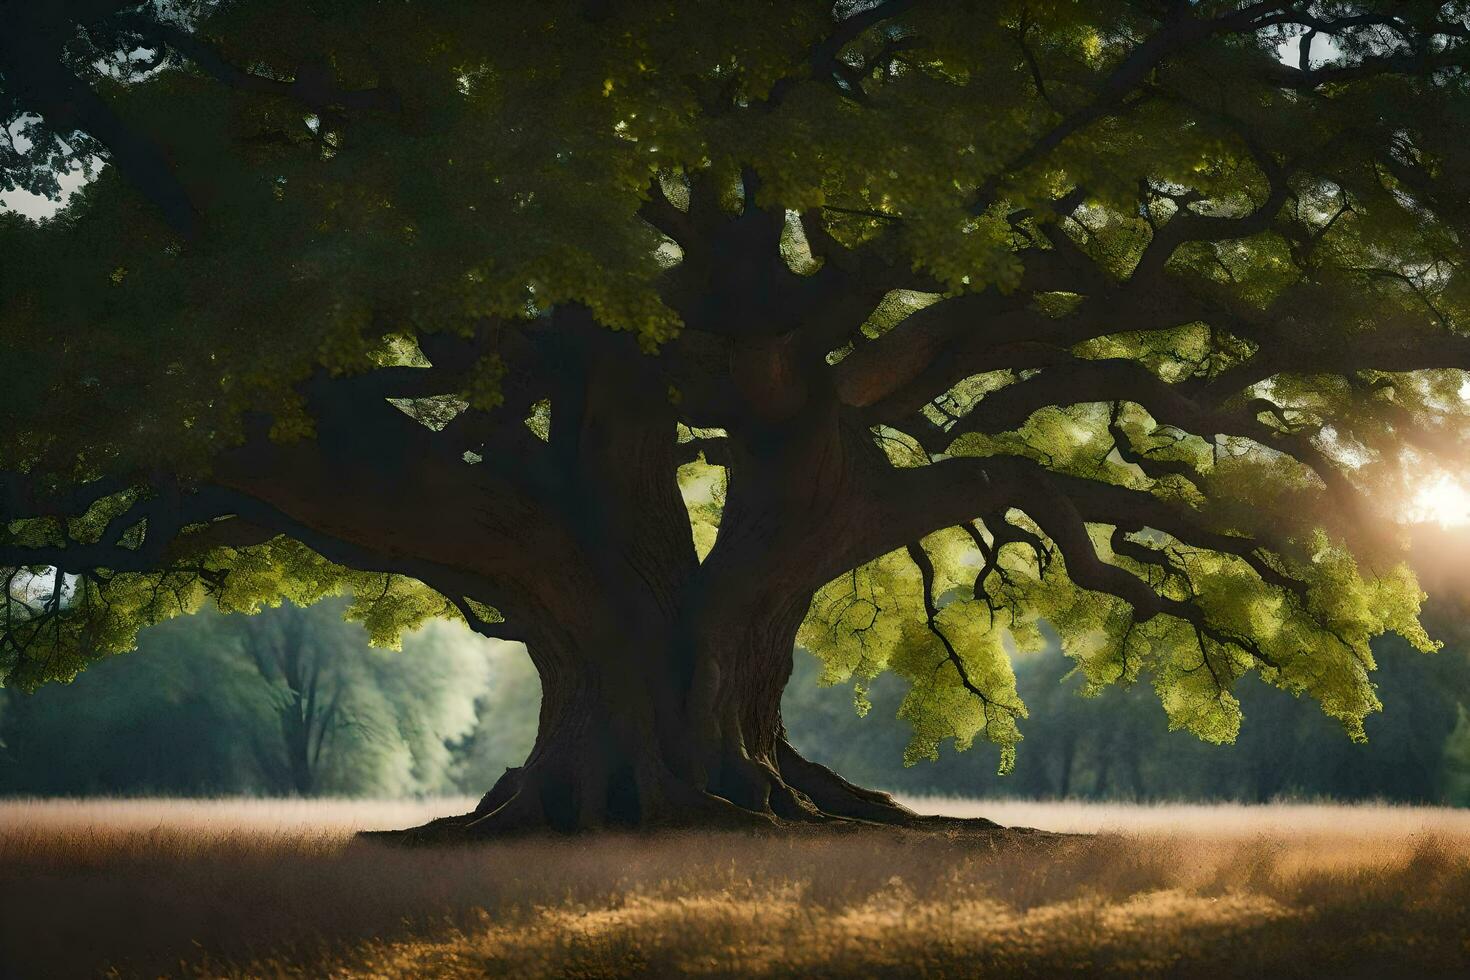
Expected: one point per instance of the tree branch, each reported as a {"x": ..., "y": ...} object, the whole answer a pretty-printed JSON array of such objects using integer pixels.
[
  {"x": 313, "y": 85},
  {"x": 1179, "y": 30},
  {"x": 821, "y": 59}
]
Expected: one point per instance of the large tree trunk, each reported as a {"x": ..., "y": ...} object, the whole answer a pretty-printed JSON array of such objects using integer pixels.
[
  {"x": 680, "y": 732},
  {"x": 662, "y": 675}
]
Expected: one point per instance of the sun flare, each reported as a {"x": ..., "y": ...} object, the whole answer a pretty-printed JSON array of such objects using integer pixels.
[{"x": 1445, "y": 501}]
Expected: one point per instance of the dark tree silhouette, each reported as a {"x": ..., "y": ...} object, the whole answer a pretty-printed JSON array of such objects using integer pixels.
[
  {"x": 940, "y": 318},
  {"x": 309, "y": 699}
]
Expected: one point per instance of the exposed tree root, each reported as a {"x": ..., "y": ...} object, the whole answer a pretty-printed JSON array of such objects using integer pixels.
[{"x": 799, "y": 797}]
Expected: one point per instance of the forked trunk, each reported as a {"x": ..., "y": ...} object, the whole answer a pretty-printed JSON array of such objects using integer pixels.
[
  {"x": 685, "y": 731},
  {"x": 662, "y": 675}
]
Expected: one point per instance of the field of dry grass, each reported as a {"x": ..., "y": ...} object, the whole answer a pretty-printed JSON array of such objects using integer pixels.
[{"x": 271, "y": 888}]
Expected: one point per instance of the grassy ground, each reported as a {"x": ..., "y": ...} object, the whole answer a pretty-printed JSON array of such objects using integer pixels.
[{"x": 266, "y": 888}]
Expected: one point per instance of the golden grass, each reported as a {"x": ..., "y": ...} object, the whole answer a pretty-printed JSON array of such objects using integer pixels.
[{"x": 280, "y": 888}]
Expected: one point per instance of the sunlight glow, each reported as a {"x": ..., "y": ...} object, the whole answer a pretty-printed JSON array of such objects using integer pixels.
[{"x": 1445, "y": 501}]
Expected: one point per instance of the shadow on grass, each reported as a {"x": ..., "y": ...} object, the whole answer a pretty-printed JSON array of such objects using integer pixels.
[{"x": 217, "y": 899}]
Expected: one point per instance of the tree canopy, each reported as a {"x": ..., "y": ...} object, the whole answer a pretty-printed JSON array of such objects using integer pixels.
[{"x": 952, "y": 318}]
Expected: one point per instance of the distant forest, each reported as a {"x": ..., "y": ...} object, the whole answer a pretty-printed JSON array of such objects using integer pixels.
[{"x": 295, "y": 702}]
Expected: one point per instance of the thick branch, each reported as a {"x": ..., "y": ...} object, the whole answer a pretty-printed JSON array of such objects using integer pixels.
[
  {"x": 1180, "y": 30},
  {"x": 314, "y": 86},
  {"x": 46, "y": 85},
  {"x": 960, "y": 489},
  {"x": 821, "y": 59}
]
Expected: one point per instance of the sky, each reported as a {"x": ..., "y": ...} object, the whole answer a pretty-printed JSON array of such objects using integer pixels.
[{"x": 37, "y": 207}]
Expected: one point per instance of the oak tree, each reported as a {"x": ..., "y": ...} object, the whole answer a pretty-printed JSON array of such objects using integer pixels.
[{"x": 664, "y": 335}]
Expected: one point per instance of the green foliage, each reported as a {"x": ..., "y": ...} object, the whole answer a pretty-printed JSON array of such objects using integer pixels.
[
  {"x": 510, "y": 181},
  {"x": 703, "y": 485},
  {"x": 103, "y": 616},
  {"x": 1114, "y": 742},
  {"x": 533, "y": 138},
  {"x": 873, "y": 620}
]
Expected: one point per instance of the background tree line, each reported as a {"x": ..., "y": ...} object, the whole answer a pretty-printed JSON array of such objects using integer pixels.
[
  {"x": 295, "y": 702},
  {"x": 290, "y": 702},
  {"x": 1116, "y": 745}
]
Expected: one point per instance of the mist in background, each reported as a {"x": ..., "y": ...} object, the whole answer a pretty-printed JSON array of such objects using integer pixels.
[
  {"x": 294, "y": 702},
  {"x": 290, "y": 702}
]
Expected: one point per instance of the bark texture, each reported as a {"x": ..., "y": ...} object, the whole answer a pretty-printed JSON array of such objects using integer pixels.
[
  {"x": 662, "y": 675},
  {"x": 666, "y": 726}
]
